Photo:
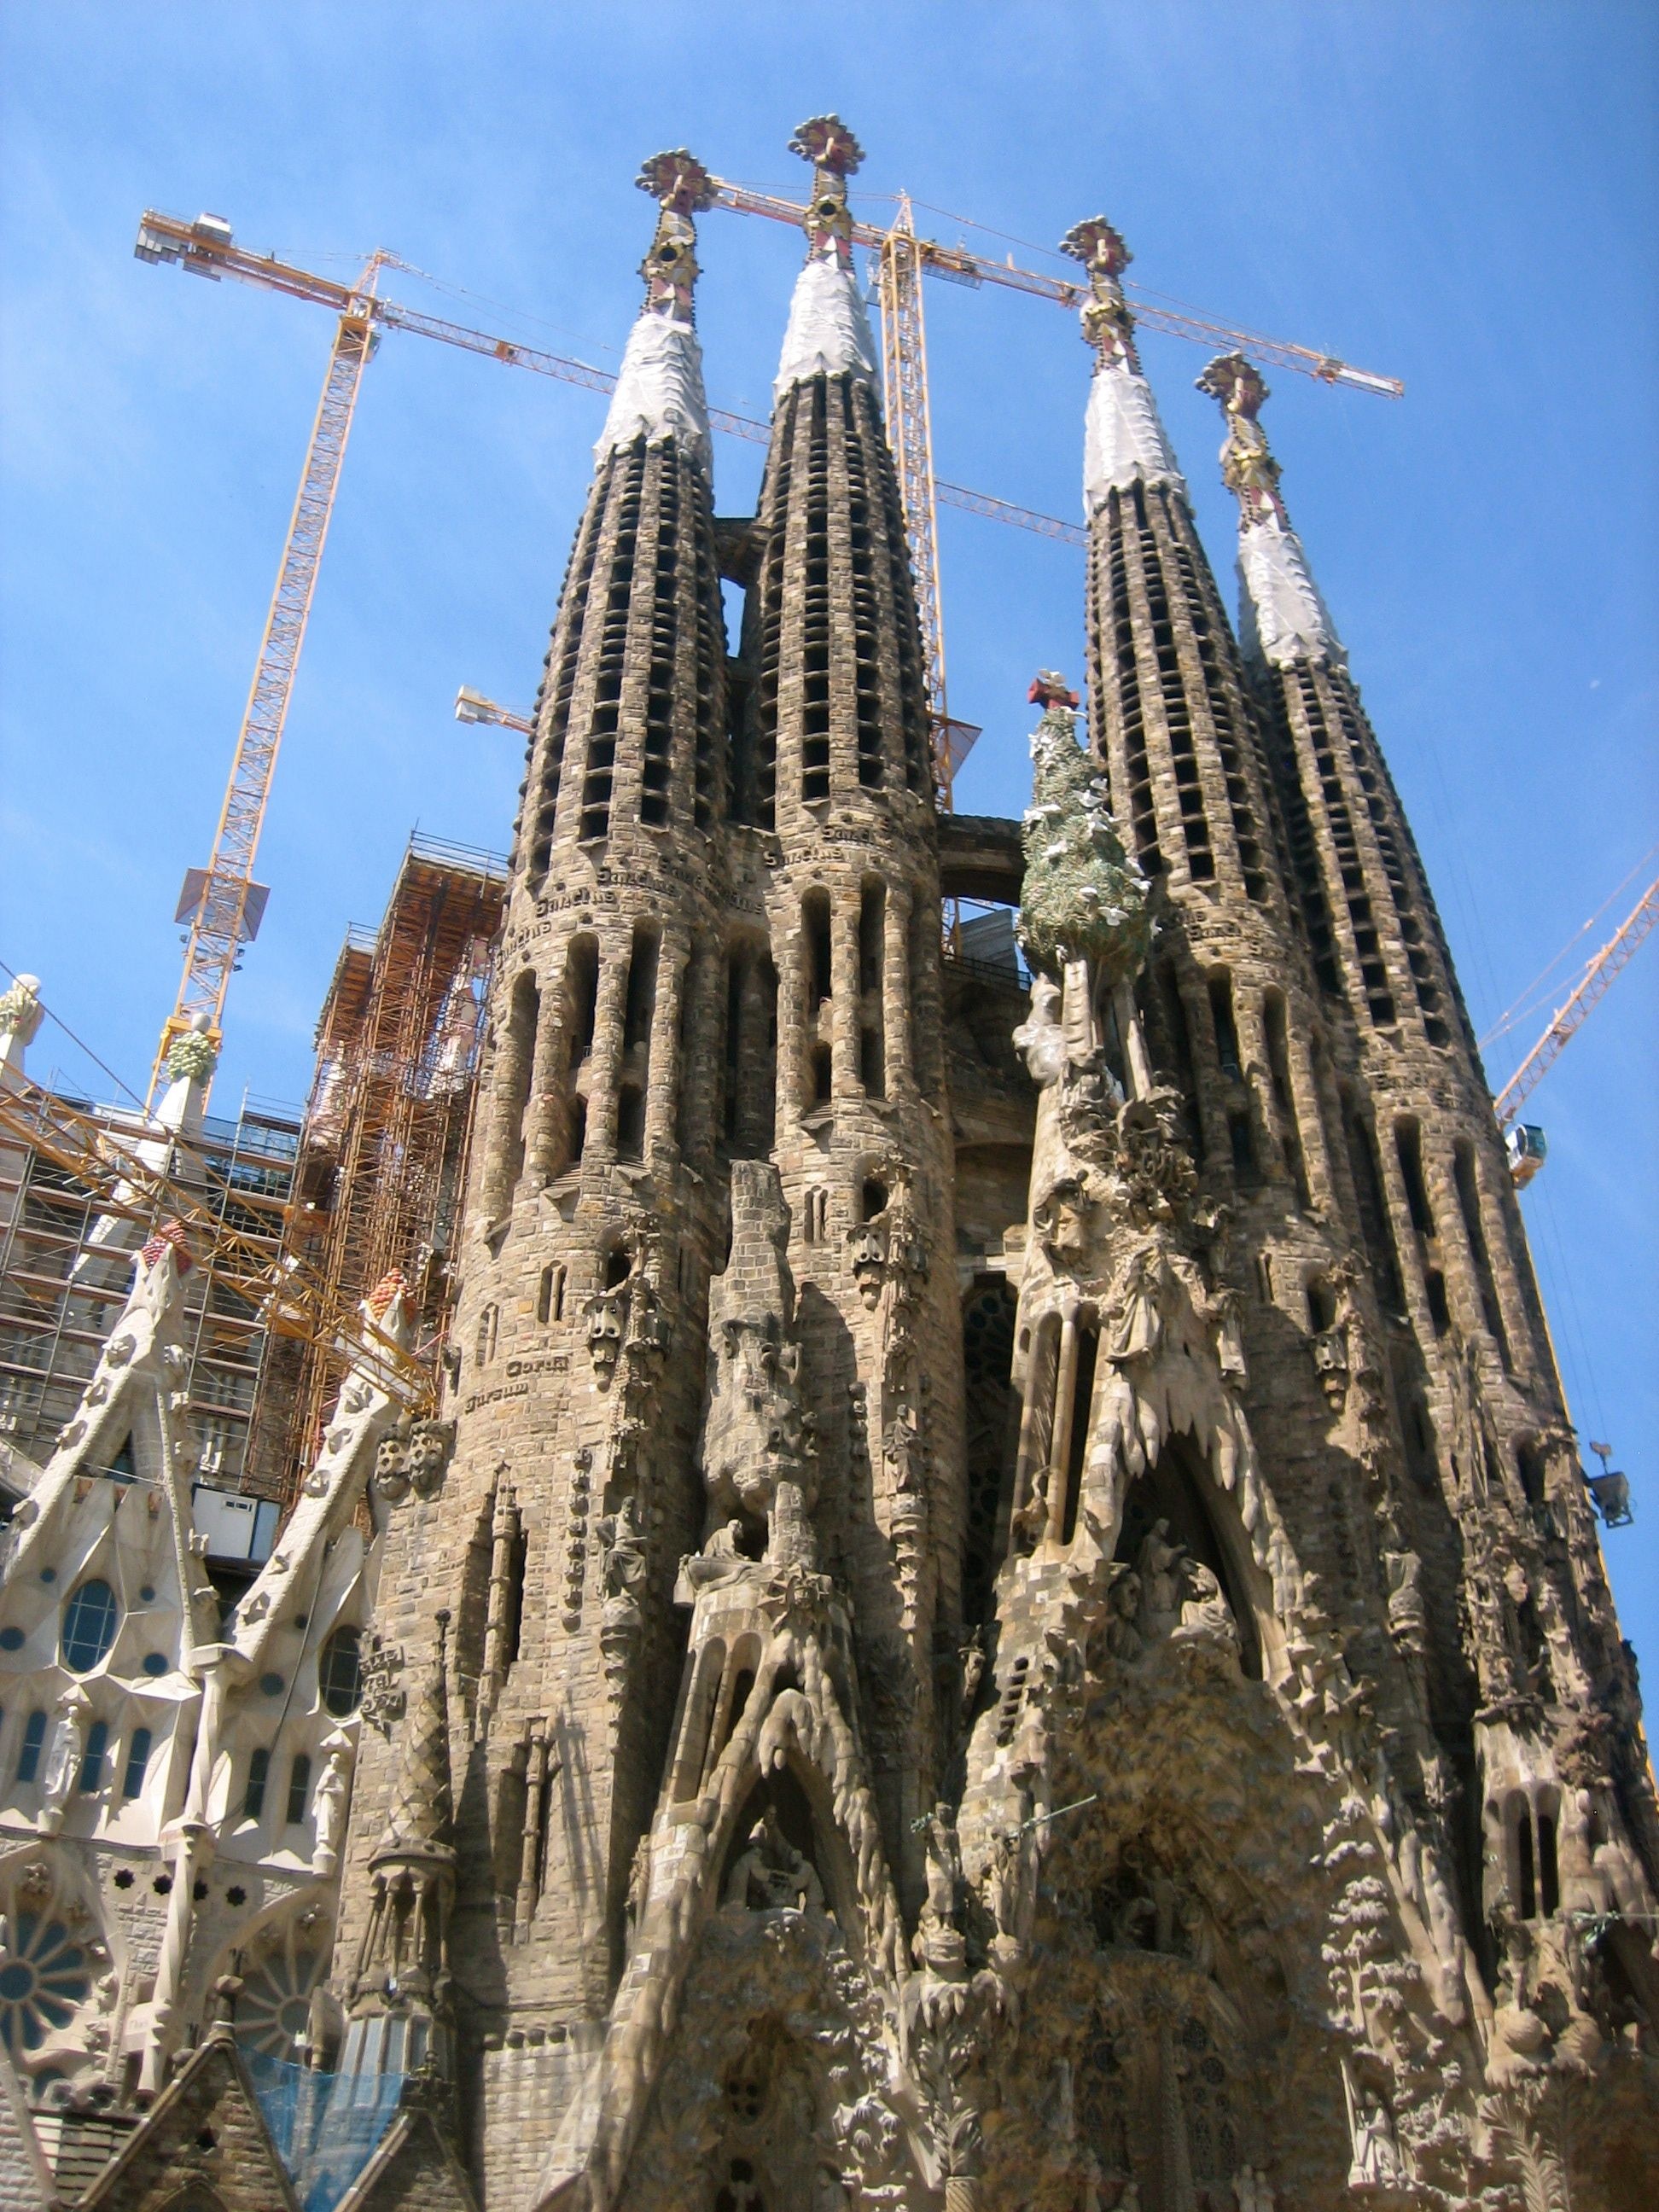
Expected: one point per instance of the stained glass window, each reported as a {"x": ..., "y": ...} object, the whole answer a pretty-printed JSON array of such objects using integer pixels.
[{"x": 89, "y": 1622}]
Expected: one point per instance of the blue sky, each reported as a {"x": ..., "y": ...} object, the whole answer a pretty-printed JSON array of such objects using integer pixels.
[{"x": 1458, "y": 194}]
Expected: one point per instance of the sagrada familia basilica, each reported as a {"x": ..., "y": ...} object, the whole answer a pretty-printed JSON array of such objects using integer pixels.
[{"x": 1001, "y": 1610}]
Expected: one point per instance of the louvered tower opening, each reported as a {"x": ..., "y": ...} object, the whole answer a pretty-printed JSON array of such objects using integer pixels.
[
  {"x": 1235, "y": 732},
  {"x": 866, "y": 613},
  {"x": 563, "y": 658},
  {"x": 1117, "y": 655},
  {"x": 656, "y": 768},
  {"x": 706, "y": 781},
  {"x": 1178, "y": 721},
  {"x": 599, "y": 776},
  {"x": 1374, "y": 974},
  {"x": 815, "y": 602}
]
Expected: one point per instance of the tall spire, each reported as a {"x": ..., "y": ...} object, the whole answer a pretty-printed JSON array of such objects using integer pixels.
[
  {"x": 659, "y": 391},
  {"x": 829, "y": 332},
  {"x": 1123, "y": 440},
  {"x": 1282, "y": 619}
]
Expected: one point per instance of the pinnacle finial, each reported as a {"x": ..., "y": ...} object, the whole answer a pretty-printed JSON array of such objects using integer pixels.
[
  {"x": 836, "y": 155},
  {"x": 1247, "y": 467},
  {"x": 1049, "y": 689},
  {"x": 683, "y": 188},
  {"x": 827, "y": 143},
  {"x": 1084, "y": 897},
  {"x": 1107, "y": 325}
]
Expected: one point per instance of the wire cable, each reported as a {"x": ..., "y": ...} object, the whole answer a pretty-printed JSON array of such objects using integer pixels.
[
  {"x": 81, "y": 1046},
  {"x": 1524, "y": 1003}
]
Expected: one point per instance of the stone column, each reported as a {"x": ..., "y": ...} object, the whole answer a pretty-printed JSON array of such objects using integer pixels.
[
  {"x": 1409, "y": 1252},
  {"x": 1256, "y": 1069},
  {"x": 895, "y": 1011},
  {"x": 547, "y": 1150},
  {"x": 1311, "y": 1121},
  {"x": 1060, "y": 1450},
  {"x": 787, "y": 955},
  {"x": 844, "y": 990},
  {"x": 663, "y": 1099},
  {"x": 701, "y": 1042},
  {"x": 509, "y": 1079},
  {"x": 1136, "y": 1061},
  {"x": 614, "y": 955}
]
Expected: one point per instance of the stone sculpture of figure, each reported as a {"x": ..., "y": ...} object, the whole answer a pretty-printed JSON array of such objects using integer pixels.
[
  {"x": 1252, "y": 2190},
  {"x": 720, "y": 1560},
  {"x": 1123, "y": 1638},
  {"x": 1041, "y": 1040},
  {"x": 1134, "y": 1924},
  {"x": 1376, "y": 2156},
  {"x": 1002, "y": 1880},
  {"x": 943, "y": 1867},
  {"x": 639, "y": 1880},
  {"x": 624, "y": 1559},
  {"x": 972, "y": 1655},
  {"x": 1092, "y": 2201},
  {"x": 1158, "y": 1564},
  {"x": 329, "y": 1810},
  {"x": 1408, "y": 1613},
  {"x": 1205, "y": 1607},
  {"x": 771, "y": 1872},
  {"x": 1134, "y": 1324},
  {"x": 63, "y": 1765},
  {"x": 1195, "y": 1938}
]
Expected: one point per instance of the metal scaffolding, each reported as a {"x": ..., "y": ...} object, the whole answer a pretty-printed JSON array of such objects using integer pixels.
[
  {"x": 60, "y": 1290},
  {"x": 378, "y": 1182}
]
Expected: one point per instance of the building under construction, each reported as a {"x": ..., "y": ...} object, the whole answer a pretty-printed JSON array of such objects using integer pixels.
[
  {"x": 64, "y": 1278},
  {"x": 377, "y": 1178},
  {"x": 988, "y": 1602}
]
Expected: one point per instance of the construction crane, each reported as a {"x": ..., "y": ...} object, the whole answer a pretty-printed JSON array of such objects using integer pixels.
[
  {"x": 221, "y": 904},
  {"x": 902, "y": 259},
  {"x": 1525, "y": 1141},
  {"x": 126, "y": 1182}
]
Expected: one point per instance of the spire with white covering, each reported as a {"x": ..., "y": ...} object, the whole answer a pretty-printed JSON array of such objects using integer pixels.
[
  {"x": 1367, "y": 911},
  {"x": 839, "y": 707},
  {"x": 1123, "y": 440},
  {"x": 1169, "y": 712},
  {"x": 1282, "y": 619},
  {"x": 829, "y": 332},
  {"x": 630, "y": 719},
  {"x": 659, "y": 391}
]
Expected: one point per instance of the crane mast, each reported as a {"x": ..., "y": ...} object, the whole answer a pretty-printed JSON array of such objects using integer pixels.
[
  {"x": 220, "y": 903},
  {"x": 910, "y": 436}
]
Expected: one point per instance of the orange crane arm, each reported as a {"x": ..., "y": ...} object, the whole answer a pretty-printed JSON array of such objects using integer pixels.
[
  {"x": 1570, "y": 1017},
  {"x": 958, "y": 265}
]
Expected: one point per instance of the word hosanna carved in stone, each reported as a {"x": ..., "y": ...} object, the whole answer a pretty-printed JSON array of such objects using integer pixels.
[{"x": 1000, "y": 1610}]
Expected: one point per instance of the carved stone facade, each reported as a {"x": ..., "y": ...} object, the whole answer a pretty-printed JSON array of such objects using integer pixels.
[{"x": 1000, "y": 1610}]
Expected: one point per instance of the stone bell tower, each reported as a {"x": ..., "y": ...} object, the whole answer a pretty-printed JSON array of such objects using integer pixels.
[
  {"x": 1507, "y": 1620},
  {"x": 837, "y": 780},
  {"x": 574, "y": 1374}
]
